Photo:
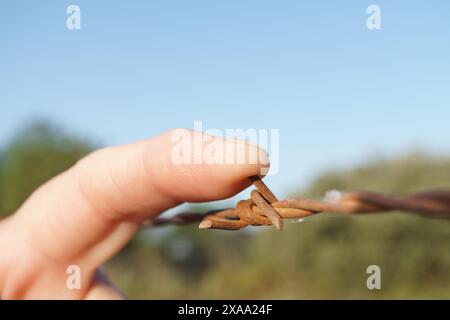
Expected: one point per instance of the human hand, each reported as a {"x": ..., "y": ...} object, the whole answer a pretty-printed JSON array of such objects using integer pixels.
[{"x": 85, "y": 215}]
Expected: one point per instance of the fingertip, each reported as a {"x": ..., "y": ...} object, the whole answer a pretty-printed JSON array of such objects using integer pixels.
[{"x": 211, "y": 166}]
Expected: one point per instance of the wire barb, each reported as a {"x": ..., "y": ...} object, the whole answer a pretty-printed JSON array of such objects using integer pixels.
[{"x": 264, "y": 209}]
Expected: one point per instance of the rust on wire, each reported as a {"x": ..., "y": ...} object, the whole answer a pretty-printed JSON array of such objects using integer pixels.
[{"x": 264, "y": 209}]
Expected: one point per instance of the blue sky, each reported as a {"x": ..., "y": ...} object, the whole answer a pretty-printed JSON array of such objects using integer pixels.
[{"x": 338, "y": 92}]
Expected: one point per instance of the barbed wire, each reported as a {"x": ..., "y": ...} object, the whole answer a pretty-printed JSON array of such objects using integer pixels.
[{"x": 264, "y": 209}]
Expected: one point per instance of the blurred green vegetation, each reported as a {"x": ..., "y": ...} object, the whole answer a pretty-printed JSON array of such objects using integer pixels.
[
  {"x": 322, "y": 257},
  {"x": 38, "y": 152}
]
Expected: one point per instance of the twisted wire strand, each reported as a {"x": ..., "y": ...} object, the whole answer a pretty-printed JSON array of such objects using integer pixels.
[{"x": 264, "y": 209}]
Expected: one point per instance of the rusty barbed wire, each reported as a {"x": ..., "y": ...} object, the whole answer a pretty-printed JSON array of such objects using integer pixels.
[{"x": 264, "y": 209}]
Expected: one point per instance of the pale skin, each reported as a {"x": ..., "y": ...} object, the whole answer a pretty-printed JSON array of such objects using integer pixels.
[{"x": 87, "y": 214}]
